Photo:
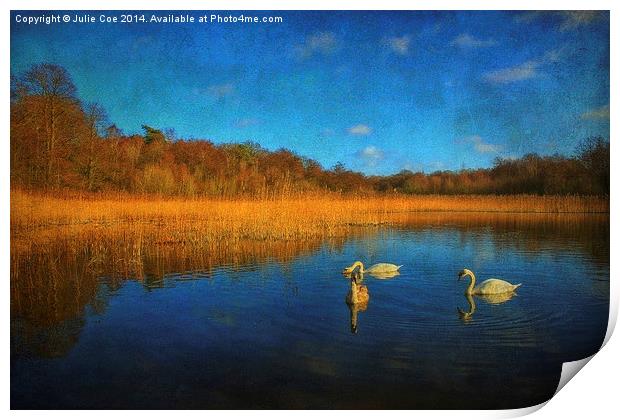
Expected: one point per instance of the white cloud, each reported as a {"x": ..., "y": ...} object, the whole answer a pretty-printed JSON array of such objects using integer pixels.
[
  {"x": 246, "y": 122},
  {"x": 371, "y": 155},
  {"x": 481, "y": 146},
  {"x": 576, "y": 18},
  {"x": 319, "y": 43},
  {"x": 555, "y": 55},
  {"x": 400, "y": 45},
  {"x": 219, "y": 91},
  {"x": 527, "y": 70},
  {"x": 569, "y": 19},
  {"x": 524, "y": 71},
  {"x": 360, "y": 130},
  {"x": 487, "y": 148},
  {"x": 468, "y": 41},
  {"x": 601, "y": 113}
]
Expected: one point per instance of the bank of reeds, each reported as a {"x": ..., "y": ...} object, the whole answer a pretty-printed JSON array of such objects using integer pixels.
[
  {"x": 128, "y": 226},
  {"x": 270, "y": 219}
]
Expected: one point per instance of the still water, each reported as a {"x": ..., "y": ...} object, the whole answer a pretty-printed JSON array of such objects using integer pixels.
[{"x": 273, "y": 333}]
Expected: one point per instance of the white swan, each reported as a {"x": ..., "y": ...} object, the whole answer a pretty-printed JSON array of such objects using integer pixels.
[
  {"x": 376, "y": 268},
  {"x": 487, "y": 287}
]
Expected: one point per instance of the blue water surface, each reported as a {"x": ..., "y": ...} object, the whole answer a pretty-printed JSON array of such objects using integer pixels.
[{"x": 280, "y": 335}]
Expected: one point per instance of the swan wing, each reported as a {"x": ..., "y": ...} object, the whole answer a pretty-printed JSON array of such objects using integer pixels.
[
  {"x": 495, "y": 286},
  {"x": 382, "y": 268}
]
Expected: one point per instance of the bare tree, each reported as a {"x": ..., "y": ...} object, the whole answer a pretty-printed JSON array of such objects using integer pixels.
[
  {"x": 53, "y": 85},
  {"x": 96, "y": 119}
]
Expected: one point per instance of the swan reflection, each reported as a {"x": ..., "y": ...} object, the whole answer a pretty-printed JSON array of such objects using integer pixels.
[
  {"x": 379, "y": 268},
  {"x": 378, "y": 276},
  {"x": 496, "y": 299},
  {"x": 357, "y": 298},
  {"x": 384, "y": 276},
  {"x": 353, "y": 310}
]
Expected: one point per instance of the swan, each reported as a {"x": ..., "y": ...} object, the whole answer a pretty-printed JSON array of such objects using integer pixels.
[
  {"x": 376, "y": 268},
  {"x": 487, "y": 287},
  {"x": 358, "y": 294}
]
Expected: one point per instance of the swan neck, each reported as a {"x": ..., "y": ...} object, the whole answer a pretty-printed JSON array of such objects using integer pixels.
[{"x": 472, "y": 282}]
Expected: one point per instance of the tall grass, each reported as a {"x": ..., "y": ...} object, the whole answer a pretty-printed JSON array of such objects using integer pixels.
[
  {"x": 124, "y": 228},
  {"x": 281, "y": 218}
]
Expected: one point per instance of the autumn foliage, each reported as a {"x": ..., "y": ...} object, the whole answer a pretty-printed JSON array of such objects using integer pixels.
[{"x": 61, "y": 143}]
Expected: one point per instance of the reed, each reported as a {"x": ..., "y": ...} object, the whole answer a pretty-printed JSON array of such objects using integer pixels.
[
  {"x": 130, "y": 225},
  {"x": 268, "y": 218}
]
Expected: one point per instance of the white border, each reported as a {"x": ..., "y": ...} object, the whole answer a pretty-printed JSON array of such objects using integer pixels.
[{"x": 592, "y": 394}]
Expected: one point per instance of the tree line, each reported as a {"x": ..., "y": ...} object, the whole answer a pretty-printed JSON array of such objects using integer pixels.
[{"x": 61, "y": 143}]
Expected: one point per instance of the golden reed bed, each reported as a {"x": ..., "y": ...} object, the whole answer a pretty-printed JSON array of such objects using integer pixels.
[
  {"x": 272, "y": 218},
  {"x": 39, "y": 220},
  {"x": 124, "y": 228}
]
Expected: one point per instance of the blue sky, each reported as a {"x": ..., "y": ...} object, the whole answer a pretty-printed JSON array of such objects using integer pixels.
[{"x": 378, "y": 91}]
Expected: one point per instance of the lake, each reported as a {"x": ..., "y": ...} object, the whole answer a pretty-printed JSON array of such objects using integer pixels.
[{"x": 266, "y": 325}]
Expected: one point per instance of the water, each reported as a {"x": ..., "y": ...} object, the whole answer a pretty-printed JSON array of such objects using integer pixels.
[{"x": 278, "y": 334}]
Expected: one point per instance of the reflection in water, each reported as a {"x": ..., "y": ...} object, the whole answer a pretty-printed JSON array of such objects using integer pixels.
[
  {"x": 53, "y": 284},
  {"x": 357, "y": 298},
  {"x": 498, "y": 298},
  {"x": 101, "y": 321},
  {"x": 466, "y": 316},
  {"x": 385, "y": 276},
  {"x": 494, "y": 299},
  {"x": 354, "y": 309},
  {"x": 378, "y": 276}
]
